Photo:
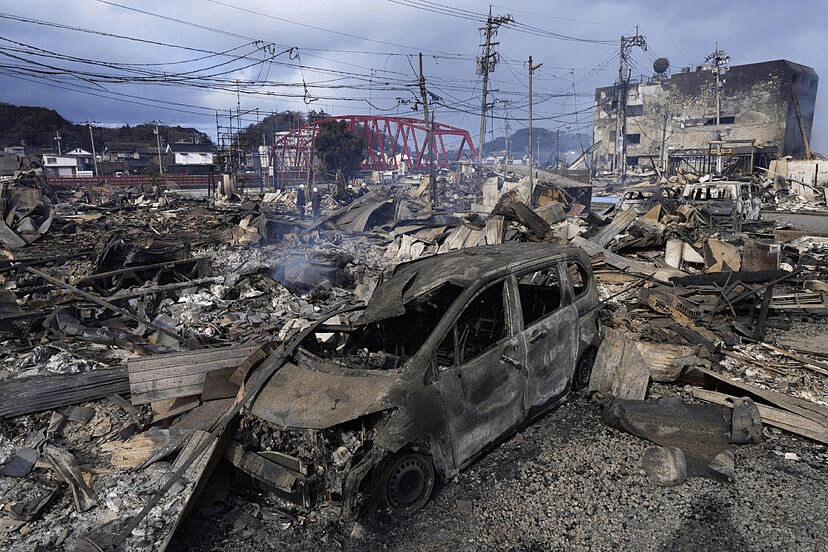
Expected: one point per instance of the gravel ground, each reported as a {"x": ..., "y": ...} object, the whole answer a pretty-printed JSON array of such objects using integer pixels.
[{"x": 568, "y": 482}]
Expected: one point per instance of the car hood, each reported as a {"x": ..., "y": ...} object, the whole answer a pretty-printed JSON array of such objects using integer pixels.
[{"x": 302, "y": 397}]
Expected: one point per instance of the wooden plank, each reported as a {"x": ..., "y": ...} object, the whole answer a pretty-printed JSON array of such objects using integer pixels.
[
  {"x": 136, "y": 376},
  {"x": 189, "y": 357},
  {"x": 619, "y": 223},
  {"x": 494, "y": 229},
  {"x": 174, "y": 375},
  {"x": 808, "y": 409},
  {"x": 662, "y": 275},
  {"x": 807, "y": 363},
  {"x": 156, "y": 391},
  {"x": 772, "y": 416},
  {"x": 806, "y": 345},
  {"x": 37, "y": 393}
]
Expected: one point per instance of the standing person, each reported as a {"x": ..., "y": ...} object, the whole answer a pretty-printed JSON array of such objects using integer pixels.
[
  {"x": 316, "y": 202},
  {"x": 300, "y": 202}
]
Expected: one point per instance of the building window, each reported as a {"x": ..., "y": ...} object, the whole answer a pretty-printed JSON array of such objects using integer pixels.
[
  {"x": 632, "y": 161},
  {"x": 51, "y": 160},
  {"x": 633, "y": 138},
  {"x": 635, "y": 110},
  {"x": 723, "y": 120}
]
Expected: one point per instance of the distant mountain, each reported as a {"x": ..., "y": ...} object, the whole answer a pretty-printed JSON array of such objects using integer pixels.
[
  {"x": 545, "y": 144},
  {"x": 38, "y": 127}
]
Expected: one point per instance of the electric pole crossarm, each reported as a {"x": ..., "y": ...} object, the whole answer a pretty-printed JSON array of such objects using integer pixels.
[{"x": 627, "y": 44}]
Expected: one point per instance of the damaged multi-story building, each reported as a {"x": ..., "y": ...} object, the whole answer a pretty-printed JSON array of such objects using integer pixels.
[{"x": 712, "y": 118}]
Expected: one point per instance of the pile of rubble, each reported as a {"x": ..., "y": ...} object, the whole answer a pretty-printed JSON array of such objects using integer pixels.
[{"x": 130, "y": 322}]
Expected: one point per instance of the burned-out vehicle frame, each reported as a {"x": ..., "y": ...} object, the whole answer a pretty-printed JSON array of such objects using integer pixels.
[{"x": 451, "y": 354}]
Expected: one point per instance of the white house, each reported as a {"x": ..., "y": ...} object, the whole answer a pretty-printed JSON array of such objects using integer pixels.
[
  {"x": 62, "y": 165},
  {"x": 189, "y": 154}
]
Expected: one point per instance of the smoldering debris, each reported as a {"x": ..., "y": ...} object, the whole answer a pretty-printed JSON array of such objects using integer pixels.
[{"x": 151, "y": 311}]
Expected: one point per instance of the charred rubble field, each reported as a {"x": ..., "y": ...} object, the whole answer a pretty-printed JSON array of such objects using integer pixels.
[
  {"x": 103, "y": 290},
  {"x": 568, "y": 482}
]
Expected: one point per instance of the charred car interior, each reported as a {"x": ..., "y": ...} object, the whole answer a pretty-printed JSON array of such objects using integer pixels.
[{"x": 451, "y": 354}]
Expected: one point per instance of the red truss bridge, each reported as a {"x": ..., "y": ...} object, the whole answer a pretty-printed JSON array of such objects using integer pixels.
[{"x": 389, "y": 142}]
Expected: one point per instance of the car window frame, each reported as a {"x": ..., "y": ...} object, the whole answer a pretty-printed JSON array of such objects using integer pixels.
[{"x": 509, "y": 298}]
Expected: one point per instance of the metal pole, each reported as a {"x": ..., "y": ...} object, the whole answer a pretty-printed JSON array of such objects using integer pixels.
[
  {"x": 429, "y": 124},
  {"x": 557, "y": 147},
  {"x": 485, "y": 69},
  {"x": 531, "y": 166},
  {"x": 158, "y": 142},
  {"x": 664, "y": 142}
]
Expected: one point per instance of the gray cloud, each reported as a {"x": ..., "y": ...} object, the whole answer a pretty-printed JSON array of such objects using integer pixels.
[{"x": 360, "y": 57}]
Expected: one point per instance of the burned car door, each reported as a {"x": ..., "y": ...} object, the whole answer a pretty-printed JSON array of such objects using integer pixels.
[
  {"x": 480, "y": 376},
  {"x": 550, "y": 331}
]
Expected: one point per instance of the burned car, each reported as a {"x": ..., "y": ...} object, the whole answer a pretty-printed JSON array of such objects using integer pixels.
[
  {"x": 643, "y": 198},
  {"x": 451, "y": 354}
]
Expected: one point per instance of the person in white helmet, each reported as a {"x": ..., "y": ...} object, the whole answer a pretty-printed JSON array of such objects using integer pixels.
[{"x": 316, "y": 202}]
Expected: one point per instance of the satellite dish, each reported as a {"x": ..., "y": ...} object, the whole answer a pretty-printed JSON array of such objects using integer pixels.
[{"x": 661, "y": 65}]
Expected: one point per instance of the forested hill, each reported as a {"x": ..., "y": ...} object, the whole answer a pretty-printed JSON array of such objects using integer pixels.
[{"x": 37, "y": 128}]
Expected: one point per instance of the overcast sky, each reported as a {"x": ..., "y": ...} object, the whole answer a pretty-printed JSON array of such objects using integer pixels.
[{"x": 118, "y": 62}]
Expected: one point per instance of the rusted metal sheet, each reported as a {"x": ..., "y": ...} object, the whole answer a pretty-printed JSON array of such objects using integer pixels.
[{"x": 757, "y": 256}]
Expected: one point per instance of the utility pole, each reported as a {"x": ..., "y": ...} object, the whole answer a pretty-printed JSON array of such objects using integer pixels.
[
  {"x": 507, "y": 129},
  {"x": 627, "y": 44},
  {"x": 558, "y": 148},
  {"x": 664, "y": 141},
  {"x": 531, "y": 166},
  {"x": 486, "y": 64},
  {"x": 429, "y": 124},
  {"x": 720, "y": 62},
  {"x": 94, "y": 156},
  {"x": 158, "y": 142},
  {"x": 57, "y": 139}
]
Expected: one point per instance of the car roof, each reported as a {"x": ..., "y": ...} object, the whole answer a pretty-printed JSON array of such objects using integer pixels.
[{"x": 462, "y": 267}]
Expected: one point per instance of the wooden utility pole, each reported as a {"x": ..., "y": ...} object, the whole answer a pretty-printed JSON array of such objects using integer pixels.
[{"x": 429, "y": 124}]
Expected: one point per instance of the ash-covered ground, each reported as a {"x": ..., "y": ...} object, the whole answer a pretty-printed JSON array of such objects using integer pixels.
[{"x": 567, "y": 482}]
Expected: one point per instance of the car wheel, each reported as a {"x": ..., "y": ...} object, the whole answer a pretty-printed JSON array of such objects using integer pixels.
[
  {"x": 406, "y": 482},
  {"x": 583, "y": 370}
]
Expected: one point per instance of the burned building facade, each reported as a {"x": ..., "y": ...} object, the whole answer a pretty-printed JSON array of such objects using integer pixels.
[{"x": 765, "y": 110}]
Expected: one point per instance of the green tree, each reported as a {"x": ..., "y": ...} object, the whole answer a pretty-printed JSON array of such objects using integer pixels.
[{"x": 339, "y": 149}]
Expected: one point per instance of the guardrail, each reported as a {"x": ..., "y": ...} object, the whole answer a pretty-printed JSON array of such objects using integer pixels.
[{"x": 143, "y": 181}]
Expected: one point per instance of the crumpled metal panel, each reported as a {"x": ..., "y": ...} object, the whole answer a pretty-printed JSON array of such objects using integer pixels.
[{"x": 387, "y": 300}]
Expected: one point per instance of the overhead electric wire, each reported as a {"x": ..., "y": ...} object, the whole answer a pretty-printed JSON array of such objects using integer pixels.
[
  {"x": 86, "y": 75},
  {"x": 444, "y": 9},
  {"x": 317, "y": 28}
]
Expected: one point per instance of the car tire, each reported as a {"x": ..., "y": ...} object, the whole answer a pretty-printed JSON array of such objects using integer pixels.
[
  {"x": 583, "y": 371},
  {"x": 406, "y": 482}
]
